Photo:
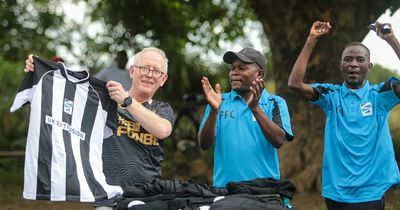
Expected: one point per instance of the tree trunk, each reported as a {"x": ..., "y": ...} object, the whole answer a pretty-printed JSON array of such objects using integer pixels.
[{"x": 287, "y": 24}]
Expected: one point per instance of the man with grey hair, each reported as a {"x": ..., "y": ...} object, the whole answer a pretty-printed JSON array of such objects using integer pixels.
[{"x": 134, "y": 152}]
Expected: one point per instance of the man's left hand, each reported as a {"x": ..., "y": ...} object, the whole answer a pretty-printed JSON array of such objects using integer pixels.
[
  {"x": 257, "y": 86},
  {"x": 380, "y": 27}
]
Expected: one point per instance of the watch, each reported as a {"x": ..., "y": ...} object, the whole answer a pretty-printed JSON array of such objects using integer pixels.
[{"x": 127, "y": 102}]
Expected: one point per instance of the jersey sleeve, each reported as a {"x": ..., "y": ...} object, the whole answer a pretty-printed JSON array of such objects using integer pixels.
[
  {"x": 109, "y": 105},
  {"x": 31, "y": 80},
  {"x": 281, "y": 117},
  {"x": 387, "y": 97},
  {"x": 165, "y": 111},
  {"x": 323, "y": 91},
  {"x": 205, "y": 116}
]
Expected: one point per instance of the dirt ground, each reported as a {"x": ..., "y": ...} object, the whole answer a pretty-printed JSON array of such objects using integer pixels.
[{"x": 302, "y": 201}]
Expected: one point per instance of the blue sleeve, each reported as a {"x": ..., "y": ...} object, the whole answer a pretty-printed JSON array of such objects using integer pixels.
[
  {"x": 205, "y": 116},
  {"x": 323, "y": 91},
  {"x": 387, "y": 97}
]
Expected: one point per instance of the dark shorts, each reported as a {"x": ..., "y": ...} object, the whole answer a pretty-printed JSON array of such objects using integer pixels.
[{"x": 370, "y": 205}]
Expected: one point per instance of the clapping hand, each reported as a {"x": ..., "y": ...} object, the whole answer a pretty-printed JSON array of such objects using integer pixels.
[
  {"x": 213, "y": 97},
  {"x": 257, "y": 86}
]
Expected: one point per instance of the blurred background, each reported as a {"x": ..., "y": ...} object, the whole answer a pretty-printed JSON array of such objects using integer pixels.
[{"x": 194, "y": 35}]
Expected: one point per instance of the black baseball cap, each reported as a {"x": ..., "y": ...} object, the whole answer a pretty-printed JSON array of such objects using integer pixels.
[{"x": 247, "y": 55}]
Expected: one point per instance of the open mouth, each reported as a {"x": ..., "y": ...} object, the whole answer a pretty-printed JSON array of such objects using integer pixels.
[
  {"x": 235, "y": 80},
  {"x": 353, "y": 74}
]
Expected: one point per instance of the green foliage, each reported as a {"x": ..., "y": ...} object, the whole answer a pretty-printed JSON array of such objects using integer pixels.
[
  {"x": 379, "y": 74},
  {"x": 173, "y": 23},
  {"x": 11, "y": 172},
  {"x": 174, "y": 26},
  {"x": 14, "y": 125},
  {"x": 24, "y": 26}
]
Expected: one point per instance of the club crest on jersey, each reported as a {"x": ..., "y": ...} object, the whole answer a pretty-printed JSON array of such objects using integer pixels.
[
  {"x": 68, "y": 106},
  {"x": 366, "y": 109}
]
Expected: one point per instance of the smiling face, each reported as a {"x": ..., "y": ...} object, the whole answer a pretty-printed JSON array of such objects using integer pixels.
[
  {"x": 355, "y": 65},
  {"x": 242, "y": 74},
  {"x": 146, "y": 85}
]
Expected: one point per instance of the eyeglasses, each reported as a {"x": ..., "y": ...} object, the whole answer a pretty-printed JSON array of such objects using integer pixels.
[{"x": 144, "y": 70}]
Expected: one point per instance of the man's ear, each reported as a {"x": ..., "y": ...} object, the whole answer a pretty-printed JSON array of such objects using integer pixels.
[
  {"x": 131, "y": 70},
  {"x": 370, "y": 65},
  {"x": 340, "y": 65},
  {"x": 164, "y": 79},
  {"x": 261, "y": 74}
]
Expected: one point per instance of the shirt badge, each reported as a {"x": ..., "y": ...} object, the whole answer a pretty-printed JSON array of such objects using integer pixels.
[
  {"x": 366, "y": 109},
  {"x": 68, "y": 106}
]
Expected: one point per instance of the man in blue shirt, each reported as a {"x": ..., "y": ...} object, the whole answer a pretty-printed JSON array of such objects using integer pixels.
[
  {"x": 359, "y": 165},
  {"x": 247, "y": 125}
]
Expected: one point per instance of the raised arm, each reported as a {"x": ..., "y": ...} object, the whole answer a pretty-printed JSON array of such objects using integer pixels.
[
  {"x": 206, "y": 135},
  {"x": 296, "y": 77},
  {"x": 388, "y": 37},
  {"x": 392, "y": 41}
]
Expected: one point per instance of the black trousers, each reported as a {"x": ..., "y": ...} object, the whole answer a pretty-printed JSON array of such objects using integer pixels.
[{"x": 370, "y": 205}]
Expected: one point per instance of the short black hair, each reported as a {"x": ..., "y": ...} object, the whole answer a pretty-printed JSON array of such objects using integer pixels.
[{"x": 358, "y": 44}]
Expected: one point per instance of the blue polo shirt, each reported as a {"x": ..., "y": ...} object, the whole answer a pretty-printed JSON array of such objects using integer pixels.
[
  {"x": 359, "y": 163},
  {"x": 241, "y": 151}
]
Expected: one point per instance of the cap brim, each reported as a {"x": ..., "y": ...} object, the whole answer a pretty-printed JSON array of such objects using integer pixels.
[{"x": 230, "y": 57}]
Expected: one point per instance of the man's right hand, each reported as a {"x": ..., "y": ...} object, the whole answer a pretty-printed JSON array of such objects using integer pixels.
[
  {"x": 319, "y": 29},
  {"x": 29, "y": 67},
  {"x": 213, "y": 97}
]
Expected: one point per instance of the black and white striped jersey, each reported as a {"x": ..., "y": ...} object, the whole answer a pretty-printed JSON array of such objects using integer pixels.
[{"x": 71, "y": 112}]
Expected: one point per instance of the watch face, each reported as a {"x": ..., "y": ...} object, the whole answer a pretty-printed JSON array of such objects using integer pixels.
[{"x": 127, "y": 101}]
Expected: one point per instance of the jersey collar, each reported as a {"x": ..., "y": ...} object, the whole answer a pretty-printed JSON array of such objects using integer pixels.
[
  {"x": 360, "y": 92},
  {"x": 72, "y": 75}
]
